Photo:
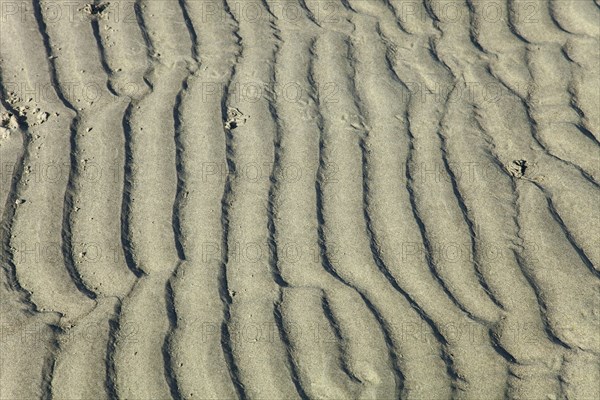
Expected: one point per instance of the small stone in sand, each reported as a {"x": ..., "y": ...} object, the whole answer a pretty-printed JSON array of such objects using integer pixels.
[
  {"x": 517, "y": 168},
  {"x": 235, "y": 118}
]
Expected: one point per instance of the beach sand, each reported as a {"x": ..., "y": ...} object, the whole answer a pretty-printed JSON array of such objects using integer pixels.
[{"x": 300, "y": 199}]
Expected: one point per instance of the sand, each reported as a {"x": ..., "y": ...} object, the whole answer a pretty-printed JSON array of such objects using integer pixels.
[{"x": 300, "y": 199}]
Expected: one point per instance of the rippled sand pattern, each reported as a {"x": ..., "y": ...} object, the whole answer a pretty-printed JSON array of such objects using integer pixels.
[{"x": 300, "y": 199}]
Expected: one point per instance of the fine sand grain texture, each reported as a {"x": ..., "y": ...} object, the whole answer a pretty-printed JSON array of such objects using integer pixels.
[{"x": 300, "y": 199}]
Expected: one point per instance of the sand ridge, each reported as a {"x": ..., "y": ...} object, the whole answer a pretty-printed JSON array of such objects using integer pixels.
[{"x": 313, "y": 199}]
